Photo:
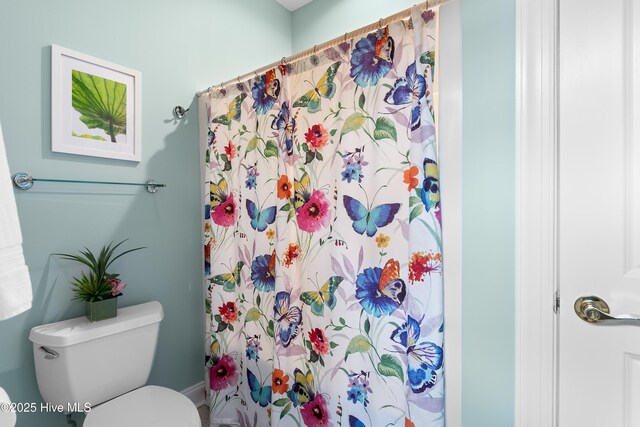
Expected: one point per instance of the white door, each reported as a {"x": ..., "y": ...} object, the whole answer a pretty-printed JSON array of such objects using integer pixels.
[{"x": 599, "y": 210}]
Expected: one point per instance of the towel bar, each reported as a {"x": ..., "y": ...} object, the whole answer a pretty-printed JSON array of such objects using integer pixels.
[{"x": 24, "y": 181}]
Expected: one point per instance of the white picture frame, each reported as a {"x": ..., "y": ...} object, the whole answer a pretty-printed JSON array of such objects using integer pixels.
[{"x": 85, "y": 90}]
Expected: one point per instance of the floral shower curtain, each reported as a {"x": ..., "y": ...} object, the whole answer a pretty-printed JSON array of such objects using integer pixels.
[{"x": 323, "y": 250}]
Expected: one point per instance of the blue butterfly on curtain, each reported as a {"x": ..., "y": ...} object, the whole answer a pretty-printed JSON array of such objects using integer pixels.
[
  {"x": 424, "y": 358},
  {"x": 286, "y": 125},
  {"x": 409, "y": 90},
  {"x": 260, "y": 219},
  {"x": 288, "y": 319},
  {"x": 369, "y": 219},
  {"x": 260, "y": 394}
]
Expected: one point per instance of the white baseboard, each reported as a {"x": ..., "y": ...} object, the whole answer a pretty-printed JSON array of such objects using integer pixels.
[{"x": 196, "y": 393}]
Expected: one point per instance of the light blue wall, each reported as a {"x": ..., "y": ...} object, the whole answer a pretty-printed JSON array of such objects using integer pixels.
[
  {"x": 323, "y": 20},
  {"x": 488, "y": 182},
  {"x": 488, "y": 215},
  {"x": 180, "y": 47}
]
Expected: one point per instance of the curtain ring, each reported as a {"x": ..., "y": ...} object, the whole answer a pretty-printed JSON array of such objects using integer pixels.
[
  {"x": 380, "y": 24},
  {"x": 345, "y": 37},
  {"x": 283, "y": 61},
  {"x": 427, "y": 4},
  {"x": 315, "y": 49}
]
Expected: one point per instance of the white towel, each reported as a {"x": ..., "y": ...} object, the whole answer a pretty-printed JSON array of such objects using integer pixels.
[{"x": 15, "y": 284}]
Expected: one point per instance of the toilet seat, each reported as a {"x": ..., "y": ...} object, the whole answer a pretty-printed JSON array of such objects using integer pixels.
[{"x": 149, "y": 406}]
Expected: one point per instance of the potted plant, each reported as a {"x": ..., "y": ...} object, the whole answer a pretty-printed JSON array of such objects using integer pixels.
[{"x": 98, "y": 289}]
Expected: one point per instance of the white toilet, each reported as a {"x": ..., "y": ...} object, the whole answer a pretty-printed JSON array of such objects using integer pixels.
[
  {"x": 7, "y": 418},
  {"x": 106, "y": 365}
]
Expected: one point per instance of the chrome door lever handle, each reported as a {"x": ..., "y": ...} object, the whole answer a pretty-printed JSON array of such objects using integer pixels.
[{"x": 593, "y": 309}]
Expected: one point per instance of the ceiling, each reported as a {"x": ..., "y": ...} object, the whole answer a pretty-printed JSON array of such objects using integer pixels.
[{"x": 293, "y": 4}]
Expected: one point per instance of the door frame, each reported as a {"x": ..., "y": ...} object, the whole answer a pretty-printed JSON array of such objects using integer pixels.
[
  {"x": 449, "y": 100},
  {"x": 537, "y": 156}
]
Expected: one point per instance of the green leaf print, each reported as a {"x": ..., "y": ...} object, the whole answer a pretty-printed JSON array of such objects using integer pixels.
[
  {"x": 252, "y": 315},
  {"x": 358, "y": 344},
  {"x": 390, "y": 366},
  {"x": 415, "y": 212},
  {"x": 252, "y": 145},
  {"x": 385, "y": 129},
  {"x": 413, "y": 200},
  {"x": 86, "y": 135},
  {"x": 309, "y": 157},
  {"x": 352, "y": 123},
  {"x": 281, "y": 402},
  {"x": 270, "y": 328},
  {"x": 102, "y": 103},
  {"x": 361, "y": 101},
  {"x": 271, "y": 149},
  {"x": 285, "y": 411}
]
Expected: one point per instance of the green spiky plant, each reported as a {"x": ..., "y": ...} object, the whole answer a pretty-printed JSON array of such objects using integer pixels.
[{"x": 95, "y": 286}]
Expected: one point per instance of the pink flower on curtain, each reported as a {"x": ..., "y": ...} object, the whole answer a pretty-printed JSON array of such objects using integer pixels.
[
  {"x": 314, "y": 215},
  {"x": 223, "y": 374},
  {"x": 225, "y": 213},
  {"x": 315, "y": 412}
]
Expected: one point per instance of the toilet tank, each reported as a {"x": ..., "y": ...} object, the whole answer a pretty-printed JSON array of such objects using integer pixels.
[{"x": 79, "y": 362}]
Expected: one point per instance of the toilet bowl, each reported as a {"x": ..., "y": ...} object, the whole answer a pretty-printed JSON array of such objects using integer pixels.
[
  {"x": 150, "y": 406},
  {"x": 67, "y": 353},
  {"x": 7, "y": 418}
]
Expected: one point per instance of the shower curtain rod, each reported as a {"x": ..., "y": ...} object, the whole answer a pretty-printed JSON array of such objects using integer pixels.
[{"x": 319, "y": 47}]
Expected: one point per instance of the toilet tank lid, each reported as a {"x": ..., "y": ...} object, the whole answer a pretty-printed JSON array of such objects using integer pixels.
[{"x": 80, "y": 329}]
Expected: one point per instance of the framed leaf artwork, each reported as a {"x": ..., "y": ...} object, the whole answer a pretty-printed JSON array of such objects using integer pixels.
[{"x": 95, "y": 107}]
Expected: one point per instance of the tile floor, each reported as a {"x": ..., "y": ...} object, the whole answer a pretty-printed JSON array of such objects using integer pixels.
[{"x": 204, "y": 415}]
